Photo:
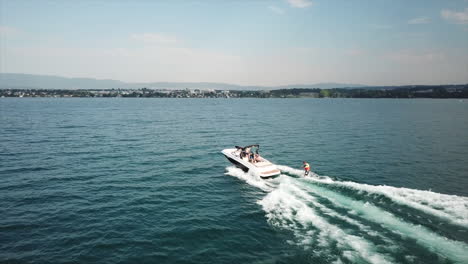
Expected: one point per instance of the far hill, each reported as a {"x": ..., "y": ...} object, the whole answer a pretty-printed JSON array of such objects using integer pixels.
[
  {"x": 321, "y": 86},
  {"x": 32, "y": 81}
]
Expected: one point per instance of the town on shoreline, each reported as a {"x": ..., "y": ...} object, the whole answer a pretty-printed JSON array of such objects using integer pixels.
[{"x": 419, "y": 91}]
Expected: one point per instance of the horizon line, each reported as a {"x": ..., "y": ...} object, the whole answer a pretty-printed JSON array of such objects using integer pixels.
[{"x": 352, "y": 85}]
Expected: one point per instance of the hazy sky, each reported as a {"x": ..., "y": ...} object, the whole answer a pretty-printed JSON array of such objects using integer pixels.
[{"x": 262, "y": 42}]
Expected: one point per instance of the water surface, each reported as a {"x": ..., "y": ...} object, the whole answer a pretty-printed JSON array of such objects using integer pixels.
[{"x": 142, "y": 181}]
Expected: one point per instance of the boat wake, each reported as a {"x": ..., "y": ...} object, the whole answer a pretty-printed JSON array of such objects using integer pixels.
[{"x": 343, "y": 221}]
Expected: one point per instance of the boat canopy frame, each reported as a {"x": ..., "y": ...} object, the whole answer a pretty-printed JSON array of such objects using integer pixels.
[{"x": 249, "y": 146}]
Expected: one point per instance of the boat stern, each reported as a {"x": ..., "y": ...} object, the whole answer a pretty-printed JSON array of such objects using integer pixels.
[{"x": 269, "y": 172}]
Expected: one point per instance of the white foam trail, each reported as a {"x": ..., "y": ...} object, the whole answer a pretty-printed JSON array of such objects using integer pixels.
[
  {"x": 284, "y": 209},
  {"x": 296, "y": 172},
  {"x": 448, "y": 207},
  {"x": 251, "y": 179},
  {"x": 288, "y": 205},
  {"x": 451, "y": 208},
  {"x": 348, "y": 220},
  {"x": 453, "y": 250}
]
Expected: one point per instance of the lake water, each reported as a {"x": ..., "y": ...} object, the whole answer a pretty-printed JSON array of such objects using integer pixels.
[{"x": 143, "y": 181}]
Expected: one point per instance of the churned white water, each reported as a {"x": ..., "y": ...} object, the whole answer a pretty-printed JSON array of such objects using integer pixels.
[{"x": 343, "y": 227}]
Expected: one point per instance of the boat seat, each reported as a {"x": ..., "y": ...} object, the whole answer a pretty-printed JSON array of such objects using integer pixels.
[{"x": 262, "y": 164}]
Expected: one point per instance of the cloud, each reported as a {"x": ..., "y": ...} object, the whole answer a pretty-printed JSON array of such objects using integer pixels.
[
  {"x": 419, "y": 20},
  {"x": 276, "y": 10},
  {"x": 299, "y": 3},
  {"x": 455, "y": 17},
  {"x": 154, "y": 38}
]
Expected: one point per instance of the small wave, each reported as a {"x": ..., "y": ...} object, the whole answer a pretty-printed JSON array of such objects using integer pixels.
[
  {"x": 71, "y": 126},
  {"x": 18, "y": 170}
]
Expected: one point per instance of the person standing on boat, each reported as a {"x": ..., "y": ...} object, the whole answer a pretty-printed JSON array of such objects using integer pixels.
[
  {"x": 306, "y": 168},
  {"x": 252, "y": 157}
]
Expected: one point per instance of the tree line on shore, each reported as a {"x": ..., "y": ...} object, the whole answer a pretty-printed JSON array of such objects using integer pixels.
[{"x": 421, "y": 91}]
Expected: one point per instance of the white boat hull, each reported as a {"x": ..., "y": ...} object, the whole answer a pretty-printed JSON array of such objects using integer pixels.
[{"x": 264, "y": 169}]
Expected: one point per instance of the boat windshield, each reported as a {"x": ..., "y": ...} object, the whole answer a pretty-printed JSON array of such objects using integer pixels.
[
  {"x": 251, "y": 148},
  {"x": 254, "y": 149}
]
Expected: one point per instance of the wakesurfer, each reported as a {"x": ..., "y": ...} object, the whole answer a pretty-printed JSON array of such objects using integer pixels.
[{"x": 306, "y": 168}]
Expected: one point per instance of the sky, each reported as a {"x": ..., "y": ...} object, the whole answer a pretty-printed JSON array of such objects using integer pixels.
[{"x": 246, "y": 42}]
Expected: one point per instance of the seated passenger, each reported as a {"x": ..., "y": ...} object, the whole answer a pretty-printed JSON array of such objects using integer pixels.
[
  {"x": 258, "y": 158},
  {"x": 252, "y": 157}
]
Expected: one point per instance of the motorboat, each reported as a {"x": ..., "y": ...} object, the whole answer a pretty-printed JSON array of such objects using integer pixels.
[{"x": 249, "y": 160}]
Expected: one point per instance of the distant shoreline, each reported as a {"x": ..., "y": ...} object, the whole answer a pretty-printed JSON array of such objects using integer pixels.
[{"x": 406, "y": 92}]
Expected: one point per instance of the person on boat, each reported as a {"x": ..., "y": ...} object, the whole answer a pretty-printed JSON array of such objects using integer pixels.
[
  {"x": 252, "y": 157},
  {"x": 306, "y": 168},
  {"x": 257, "y": 158},
  {"x": 242, "y": 154}
]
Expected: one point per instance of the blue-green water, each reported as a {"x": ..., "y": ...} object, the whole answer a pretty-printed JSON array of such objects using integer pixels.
[{"x": 143, "y": 181}]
